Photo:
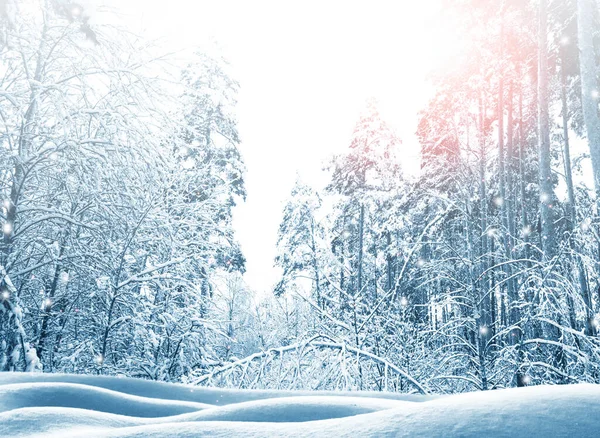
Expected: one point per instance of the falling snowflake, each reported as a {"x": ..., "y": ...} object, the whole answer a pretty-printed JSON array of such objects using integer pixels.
[{"x": 7, "y": 228}]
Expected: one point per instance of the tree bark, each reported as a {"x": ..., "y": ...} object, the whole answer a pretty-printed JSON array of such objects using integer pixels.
[
  {"x": 545, "y": 177},
  {"x": 513, "y": 310}
]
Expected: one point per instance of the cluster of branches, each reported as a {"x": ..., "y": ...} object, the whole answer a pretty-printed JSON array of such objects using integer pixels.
[{"x": 118, "y": 173}]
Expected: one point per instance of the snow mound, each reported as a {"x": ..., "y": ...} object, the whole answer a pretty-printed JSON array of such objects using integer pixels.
[
  {"x": 277, "y": 410},
  {"x": 74, "y": 406},
  {"x": 73, "y": 395},
  {"x": 295, "y": 409},
  {"x": 176, "y": 391},
  {"x": 44, "y": 420}
]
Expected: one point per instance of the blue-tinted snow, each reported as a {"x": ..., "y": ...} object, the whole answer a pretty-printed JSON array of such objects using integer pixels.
[{"x": 91, "y": 406}]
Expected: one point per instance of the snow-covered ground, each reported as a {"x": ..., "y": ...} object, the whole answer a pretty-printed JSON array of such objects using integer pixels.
[{"x": 91, "y": 406}]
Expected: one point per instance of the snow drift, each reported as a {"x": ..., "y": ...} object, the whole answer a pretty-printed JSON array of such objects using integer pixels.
[{"x": 92, "y": 406}]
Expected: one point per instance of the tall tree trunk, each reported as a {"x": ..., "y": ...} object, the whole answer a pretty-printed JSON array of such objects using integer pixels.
[
  {"x": 572, "y": 209},
  {"x": 524, "y": 222},
  {"x": 514, "y": 314},
  {"x": 483, "y": 321},
  {"x": 548, "y": 241},
  {"x": 546, "y": 190},
  {"x": 503, "y": 161}
]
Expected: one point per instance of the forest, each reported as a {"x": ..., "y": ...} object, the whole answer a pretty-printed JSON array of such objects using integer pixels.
[{"x": 120, "y": 168}]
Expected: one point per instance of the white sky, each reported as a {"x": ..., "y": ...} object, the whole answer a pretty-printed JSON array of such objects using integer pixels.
[{"x": 305, "y": 69}]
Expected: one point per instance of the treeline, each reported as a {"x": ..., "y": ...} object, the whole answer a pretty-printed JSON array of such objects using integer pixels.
[{"x": 482, "y": 271}]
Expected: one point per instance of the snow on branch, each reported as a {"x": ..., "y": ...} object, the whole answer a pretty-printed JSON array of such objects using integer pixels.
[{"x": 316, "y": 342}]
